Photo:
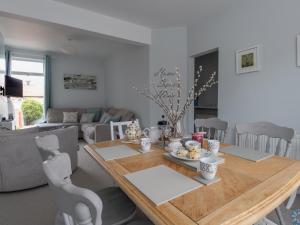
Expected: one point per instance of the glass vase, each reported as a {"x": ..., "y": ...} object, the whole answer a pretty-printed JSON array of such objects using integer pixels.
[{"x": 176, "y": 129}]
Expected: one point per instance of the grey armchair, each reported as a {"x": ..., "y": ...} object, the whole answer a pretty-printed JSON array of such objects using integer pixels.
[{"x": 20, "y": 161}]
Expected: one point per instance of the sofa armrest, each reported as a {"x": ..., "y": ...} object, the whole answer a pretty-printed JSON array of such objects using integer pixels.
[{"x": 102, "y": 132}]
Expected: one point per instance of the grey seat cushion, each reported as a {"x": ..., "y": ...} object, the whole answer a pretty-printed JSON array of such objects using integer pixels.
[{"x": 116, "y": 206}]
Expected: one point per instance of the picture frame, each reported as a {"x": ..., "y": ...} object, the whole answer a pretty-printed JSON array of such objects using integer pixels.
[
  {"x": 298, "y": 50},
  {"x": 248, "y": 60},
  {"x": 80, "y": 81}
]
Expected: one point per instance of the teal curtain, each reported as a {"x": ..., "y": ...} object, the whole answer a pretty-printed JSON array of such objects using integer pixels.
[
  {"x": 7, "y": 63},
  {"x": 47, "y": 82}
]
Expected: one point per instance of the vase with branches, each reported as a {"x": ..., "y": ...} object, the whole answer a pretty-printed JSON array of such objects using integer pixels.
[{"x": 167, "y": 93}]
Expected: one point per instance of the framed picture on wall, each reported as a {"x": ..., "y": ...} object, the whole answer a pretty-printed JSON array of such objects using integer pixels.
[
  {"x": 248, "y": 60},
  {"x": 298, "y": 50},
  {"x": 79, "y": 81}
]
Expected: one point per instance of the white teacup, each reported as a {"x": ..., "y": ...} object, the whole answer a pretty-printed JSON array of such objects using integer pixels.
[
  {"x": 208, "y": 167},
  {"x": 145, "y": 144},
  {"x": 214, "y": 146}
]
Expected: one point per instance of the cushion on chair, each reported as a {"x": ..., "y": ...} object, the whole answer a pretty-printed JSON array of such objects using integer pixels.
[{"x": 117, "y": 206}]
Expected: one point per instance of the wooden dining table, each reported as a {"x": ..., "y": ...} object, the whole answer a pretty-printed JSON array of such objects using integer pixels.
[{"x": 247, "y": 191}]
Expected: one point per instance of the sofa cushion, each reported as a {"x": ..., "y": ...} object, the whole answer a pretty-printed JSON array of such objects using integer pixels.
[
  {"x": 70, "y": 117},
  {"x": 107, "y": 118},
  {"x": 124, "y": 114},
  {"x": 97, "y": 112},
  {"x": 87, "y": 117},
  {"x": 56, "y": 115},
  {"x": 104, "y": 117}
]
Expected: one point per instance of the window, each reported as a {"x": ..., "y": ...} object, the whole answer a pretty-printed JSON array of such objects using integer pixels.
[
  {"x": 2, "y": 70},
  {"x": 31, "y": 72}
]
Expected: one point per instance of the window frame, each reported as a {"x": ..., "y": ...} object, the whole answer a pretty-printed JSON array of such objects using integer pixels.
[{"x": 27, "y": 58}]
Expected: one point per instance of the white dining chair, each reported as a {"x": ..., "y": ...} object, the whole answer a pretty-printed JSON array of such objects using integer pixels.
[
  {"x": 216, "y": 128},
  {"x": 118, "y": 127},
  {"x": 80, "y": 206},
  {"x": 266, "y": 137}
]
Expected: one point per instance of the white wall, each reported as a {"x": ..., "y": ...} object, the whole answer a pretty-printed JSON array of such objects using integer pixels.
[
  {"x": 272, "y": 94},
  {"x": 122, "y": 72},
  {"x": 169, "y": 50},
  {"x": 64, "y": 64}
]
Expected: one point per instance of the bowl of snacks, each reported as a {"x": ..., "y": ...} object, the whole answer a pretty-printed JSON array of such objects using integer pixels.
[
  {"x": 192, "y": 144},
  {"x": 192, "y": 154}
]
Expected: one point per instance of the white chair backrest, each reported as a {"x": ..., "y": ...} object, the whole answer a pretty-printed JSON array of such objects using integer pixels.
[
  {"x": 216, "y": 128},
  {"x": 119, "y": 127},
  {"x": 48, "y": 146},
  {"x": 78, "y": 205},
  {"x": 260, "y": 135}
]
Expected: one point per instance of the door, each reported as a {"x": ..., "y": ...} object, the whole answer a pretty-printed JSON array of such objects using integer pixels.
[{"x": 206, "y": 105}]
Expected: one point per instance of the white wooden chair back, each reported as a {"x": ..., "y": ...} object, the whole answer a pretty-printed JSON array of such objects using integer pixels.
[
  {"x": 77, "y": 205},
  {"x": 48, "y": 146},
  {"x": 216, "y": 128},
  {"x": 265, "y": 136},
  {"x": 119, "y": 126}
]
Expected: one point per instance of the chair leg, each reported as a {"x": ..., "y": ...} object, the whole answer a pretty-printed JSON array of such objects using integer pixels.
[
  {"x": 291, "y": 200},
  {"x": 279, "y": 215}
]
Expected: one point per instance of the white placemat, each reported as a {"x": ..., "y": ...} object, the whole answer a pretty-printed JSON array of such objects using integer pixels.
[
  {"x": 246, "y": 153},
  {"x": 116, "y": 152},
  {"x": 162, "y": 184}
]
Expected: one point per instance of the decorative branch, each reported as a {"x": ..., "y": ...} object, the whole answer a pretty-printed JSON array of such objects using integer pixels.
[{"x": 165, "y": 89}]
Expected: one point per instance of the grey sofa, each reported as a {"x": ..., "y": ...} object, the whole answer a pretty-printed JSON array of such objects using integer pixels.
[
  {"x": 20, "y": 160},
  {"x": 90, "y": 132},
  {"x": 96, "y": 132}
]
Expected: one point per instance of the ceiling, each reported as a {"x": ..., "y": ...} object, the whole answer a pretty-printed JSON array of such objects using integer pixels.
[
  {"x": 156, "y": 13},
  {"x": 35, "y": 35}
]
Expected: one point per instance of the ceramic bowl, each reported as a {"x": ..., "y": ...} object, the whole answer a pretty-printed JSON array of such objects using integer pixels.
[{"x": 191, "y": 143}]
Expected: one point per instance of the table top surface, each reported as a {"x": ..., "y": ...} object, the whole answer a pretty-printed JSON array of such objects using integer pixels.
[{"x": 247, "y": 191}]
